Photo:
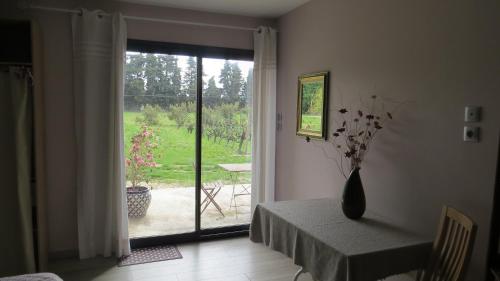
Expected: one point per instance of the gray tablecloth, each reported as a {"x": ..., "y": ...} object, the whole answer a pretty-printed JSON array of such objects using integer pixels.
[{"x": 318, "y": 237}]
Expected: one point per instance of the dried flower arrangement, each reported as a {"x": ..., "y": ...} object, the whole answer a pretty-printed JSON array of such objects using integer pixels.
[{"x": 355, "y": 132}]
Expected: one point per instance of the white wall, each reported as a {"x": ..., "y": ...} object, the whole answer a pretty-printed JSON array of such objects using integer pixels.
[{"x": 436, "y": 55}]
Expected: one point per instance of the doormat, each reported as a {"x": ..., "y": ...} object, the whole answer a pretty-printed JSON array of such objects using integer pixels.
[{"x": 151, "y": 254}]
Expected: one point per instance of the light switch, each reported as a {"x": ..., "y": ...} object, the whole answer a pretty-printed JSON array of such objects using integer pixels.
[
  {"x": 471, "y": 134},
  {"x": 279, "y": 121},
  {"x": 472, "y": 113}
]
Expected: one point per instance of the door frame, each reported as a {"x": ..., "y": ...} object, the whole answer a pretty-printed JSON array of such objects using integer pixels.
[{"x": 199, "y": 52}]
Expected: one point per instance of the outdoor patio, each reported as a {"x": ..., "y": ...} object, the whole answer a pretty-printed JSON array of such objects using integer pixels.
[{"x": 172, "y": 211}]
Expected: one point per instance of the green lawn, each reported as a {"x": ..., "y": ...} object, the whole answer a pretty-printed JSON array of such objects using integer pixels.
[
  {"x": 311, "y": 122},
  {"x": 176, "y": 153}
]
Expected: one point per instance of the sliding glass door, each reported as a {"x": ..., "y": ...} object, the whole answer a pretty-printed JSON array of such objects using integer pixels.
[
  {"x": 187, "y": 124},
  {"x": 226, "y": 142},
  {"x": 159, "y": 122}
]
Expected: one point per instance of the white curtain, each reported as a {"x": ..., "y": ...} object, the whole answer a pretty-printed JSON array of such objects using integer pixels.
[
  {"x": 99, "y": 45},
  {"x": 264, "y": 116}
]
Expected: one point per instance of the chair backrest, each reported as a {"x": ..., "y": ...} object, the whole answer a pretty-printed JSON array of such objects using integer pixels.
[
  {"x": 452, "y": 248},
  {"x": 206, "y": 186}
]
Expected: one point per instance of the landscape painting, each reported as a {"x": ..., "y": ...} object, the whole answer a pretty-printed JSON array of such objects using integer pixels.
[{"x": 311, "y": 105}]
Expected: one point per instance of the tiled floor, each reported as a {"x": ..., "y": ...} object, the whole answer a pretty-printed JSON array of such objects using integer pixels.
[{"x": 235, "y": 259}]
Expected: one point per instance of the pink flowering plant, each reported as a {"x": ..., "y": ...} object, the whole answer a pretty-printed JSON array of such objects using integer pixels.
[{"x": 141, "y": 157}]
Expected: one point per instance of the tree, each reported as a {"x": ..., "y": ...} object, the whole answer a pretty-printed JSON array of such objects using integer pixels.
[
  {"x": 246, "y": 135},
  {"x": 243, "y": 94},
  {"x": 212, "y": 94},
  {"x": 225, "y": 79},
  {"x": 163, "y": 80},
  {"x": 190, "y": 80},
  {"x": 317, "y": 103},
  {"x": 236, "y": 83},
  {"x": 177, "y": 82},
  {"x": 153, "y": 73},
  {"x": 153, "y": 79},
  {"x": 232, "y": 82},
  {"x": 172, "y": 80},
  {"x": 308, "y": 92},
  {"x": 134, "y": 80},
  {"x": 247, "y": 90},
  {"x": 179, "y": 114}
]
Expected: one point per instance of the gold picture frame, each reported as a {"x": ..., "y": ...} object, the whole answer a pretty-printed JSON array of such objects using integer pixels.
[{"x": 312, "y": 105}]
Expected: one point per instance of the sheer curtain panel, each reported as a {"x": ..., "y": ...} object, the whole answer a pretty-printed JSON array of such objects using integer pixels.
[
  {"x": 16, "y": 233},
  {"x": 99, "y": 45},
  {"x": 264, "y": 116}
]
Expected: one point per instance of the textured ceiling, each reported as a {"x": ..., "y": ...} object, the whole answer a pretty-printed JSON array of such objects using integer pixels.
[{"x": 255, "y": 8}]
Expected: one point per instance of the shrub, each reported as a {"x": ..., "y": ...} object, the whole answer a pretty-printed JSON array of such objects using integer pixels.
[
  {"x": 179, "y": 113},
  {"x": 190, "y": 123},
  {"x": 225, "y": 122},
  {"x": 141, "y": 157},
  {"x": 150, "y": 115}
]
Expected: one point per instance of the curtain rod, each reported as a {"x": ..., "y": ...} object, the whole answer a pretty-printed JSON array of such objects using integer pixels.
[{"x": 52, "y": 9}]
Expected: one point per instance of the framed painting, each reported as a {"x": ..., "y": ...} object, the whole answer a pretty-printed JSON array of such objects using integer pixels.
[{"x": 312, "y": 105}]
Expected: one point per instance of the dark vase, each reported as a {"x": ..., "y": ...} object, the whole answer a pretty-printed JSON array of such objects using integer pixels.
[{"x": 353, "y": 197}]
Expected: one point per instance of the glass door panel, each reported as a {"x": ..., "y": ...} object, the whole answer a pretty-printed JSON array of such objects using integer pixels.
[
  {"x": 160, "y": 135},
  {"x": 226, "y": 143}
]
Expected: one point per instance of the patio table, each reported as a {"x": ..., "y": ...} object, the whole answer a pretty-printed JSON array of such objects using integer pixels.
[
  {"x": 237, "y": 167},
  {"x": 234, "y": 170},
  {"x": 331, "y": 247}
]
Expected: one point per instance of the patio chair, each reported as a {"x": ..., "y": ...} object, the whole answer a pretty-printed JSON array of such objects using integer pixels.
[{"x": 210, "y": 190}]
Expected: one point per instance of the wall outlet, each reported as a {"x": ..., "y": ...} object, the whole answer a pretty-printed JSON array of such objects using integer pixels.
[
  {"x": 471, "y": 134},
  {"x": 472, "y": 113}
]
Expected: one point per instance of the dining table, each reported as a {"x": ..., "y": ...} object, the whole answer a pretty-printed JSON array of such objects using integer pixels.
[{"x": 331, "y": 247}]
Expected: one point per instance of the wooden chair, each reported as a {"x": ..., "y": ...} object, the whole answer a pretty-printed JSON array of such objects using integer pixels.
[
  {"x": 452, "y": 248},
  {"x": 495, "y": 274}
]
